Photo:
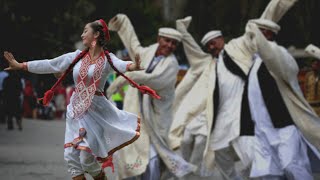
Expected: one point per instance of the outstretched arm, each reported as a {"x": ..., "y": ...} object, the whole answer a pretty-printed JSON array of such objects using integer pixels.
[
  {"x": 46, "y": 66},
  {"x": 123, "y": 66},
  {"x": 159, "y": 79},
  {"x": 13, "y": 63},
  {"x": 156, "y": 80}
]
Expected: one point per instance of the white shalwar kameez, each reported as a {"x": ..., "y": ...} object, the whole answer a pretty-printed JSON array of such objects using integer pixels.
[
  {"x": 279, "y": 151},
  {"x": 228, "y": 114},
  {"x": 107, "y": 128},
  {"x": 226, "y": 132}
]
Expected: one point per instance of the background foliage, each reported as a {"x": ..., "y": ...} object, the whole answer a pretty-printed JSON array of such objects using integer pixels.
[{"x": 45, "y": 29}]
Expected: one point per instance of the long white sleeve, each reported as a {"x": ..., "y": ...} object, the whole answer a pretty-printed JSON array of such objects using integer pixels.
[
  {"x": 276, "y": 9},
  {"x": 127, "y": 34},
  {"x": 195, "y": 55},
  {"x": 159, "y": 79},
  {"x": 276, "y": 58},
  {"x": 55, "y": 65},
  {"x": 118, "y": 63}
]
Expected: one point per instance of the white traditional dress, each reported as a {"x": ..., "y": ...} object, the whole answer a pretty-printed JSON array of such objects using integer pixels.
[{"x": 93, "y": 123}]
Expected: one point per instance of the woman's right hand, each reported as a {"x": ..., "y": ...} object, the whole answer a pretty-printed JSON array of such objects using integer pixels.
[{"x": 13, "y": 63}]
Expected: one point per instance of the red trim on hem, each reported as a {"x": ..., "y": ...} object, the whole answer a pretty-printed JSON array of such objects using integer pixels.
[{"x": 107, "y": 161}]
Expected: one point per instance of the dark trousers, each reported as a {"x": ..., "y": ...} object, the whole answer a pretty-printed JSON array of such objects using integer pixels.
[
  {"x": 18, "y": 121},
  {"x": 2, "y": 109}
]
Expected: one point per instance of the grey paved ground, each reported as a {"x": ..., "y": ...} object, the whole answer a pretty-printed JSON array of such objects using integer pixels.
[{"x": 36, "y": 153}]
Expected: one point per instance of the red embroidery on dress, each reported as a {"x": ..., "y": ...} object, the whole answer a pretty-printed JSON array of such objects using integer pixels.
[{"x": 85, "y": 92}]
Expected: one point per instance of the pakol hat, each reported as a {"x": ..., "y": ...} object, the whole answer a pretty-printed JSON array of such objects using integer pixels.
[
  {"x": 267, "y": 24},
  {"x": 210, "y": 35},
  {"x": 170, "y": 33}
]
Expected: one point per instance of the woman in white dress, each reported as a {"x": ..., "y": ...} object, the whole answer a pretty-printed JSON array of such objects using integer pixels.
[{"x": 95, "y": 128}]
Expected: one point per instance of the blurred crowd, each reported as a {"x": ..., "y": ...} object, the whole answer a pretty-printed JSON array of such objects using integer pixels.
[
  {"x": 309, "y": 84},
  {"x": 19, "y": 96}
]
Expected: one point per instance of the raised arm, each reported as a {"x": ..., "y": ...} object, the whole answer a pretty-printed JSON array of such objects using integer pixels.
[
  {"x": 122, "y": 25},
  {"x": 195, "y": 55},
  {"x": 276, "y": 9},
  {"x": 276, "y": 58}
]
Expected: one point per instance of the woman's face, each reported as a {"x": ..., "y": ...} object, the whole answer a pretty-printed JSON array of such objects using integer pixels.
[{"x": 88, "y": 35}]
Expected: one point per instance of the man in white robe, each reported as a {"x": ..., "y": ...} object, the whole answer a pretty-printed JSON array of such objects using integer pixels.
[
  {"x": 191, "y": 110},
  {"x": 194, "y": 136},
  {"x": 142, "y": 157},
  {"x": 218, "y": 94},
  {"x": 282, "y": 134},
  {"x": 227, "y": 112},
  {"x": 198, "y": 60},
  {"x": 284, "y": 123}
]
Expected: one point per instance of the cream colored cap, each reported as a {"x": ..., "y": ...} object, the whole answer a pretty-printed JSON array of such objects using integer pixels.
[
  {"x": 210, "y": 35},
  {"x": 267, "y": 24},
  {"x": 170, "y": 33}
]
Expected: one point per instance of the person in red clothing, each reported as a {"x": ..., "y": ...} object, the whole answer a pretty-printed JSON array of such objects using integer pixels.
[
  {"x": 29, "y": 101},
  {"x": 60, "y": 101},
  {"x": 69, "y": 91}
]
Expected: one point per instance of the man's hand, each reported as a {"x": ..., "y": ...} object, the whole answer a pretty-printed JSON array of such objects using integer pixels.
[
  {"x": 184, "y": 23},
  {"x": 136, "y": 65}
]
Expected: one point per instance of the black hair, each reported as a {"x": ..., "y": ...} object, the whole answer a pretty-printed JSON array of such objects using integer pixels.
[{"x": 97, "y": 27}]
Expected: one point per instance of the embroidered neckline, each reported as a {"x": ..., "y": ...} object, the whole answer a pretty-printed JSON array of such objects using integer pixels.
[
  {"x": 94, "y": 61},
  {"x": 85, "y": 86}
]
